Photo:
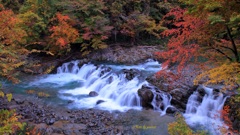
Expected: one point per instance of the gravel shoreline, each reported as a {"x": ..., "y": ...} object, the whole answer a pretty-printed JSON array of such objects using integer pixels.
[{"x": 57, "y": 120}]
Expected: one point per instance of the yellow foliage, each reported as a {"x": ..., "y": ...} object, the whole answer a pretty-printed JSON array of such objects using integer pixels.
[
  {"x": 42, "y": 94},
  {"x": 9, "y": 123},
  {"x": 9, "y": 97},
  {"x": 227, "y": 74},
  {"x": 48, "y": 70},
  {"x": 30, "y": 91},
  {"x": 1, "y": 94},
  {"x": 180, "y": 127}
]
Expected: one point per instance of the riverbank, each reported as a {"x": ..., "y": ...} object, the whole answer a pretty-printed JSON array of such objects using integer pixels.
[{"x": 54, "y": 119}]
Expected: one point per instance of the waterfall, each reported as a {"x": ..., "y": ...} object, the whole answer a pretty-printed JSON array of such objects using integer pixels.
[
  {"x": 205, "y": 114},
  {"x": 161, "y": 100},
  {"x": 115, "y": 86}
]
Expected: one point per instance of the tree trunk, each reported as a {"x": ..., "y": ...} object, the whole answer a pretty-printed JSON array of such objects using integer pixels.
[{"x": 233, "y": 44}]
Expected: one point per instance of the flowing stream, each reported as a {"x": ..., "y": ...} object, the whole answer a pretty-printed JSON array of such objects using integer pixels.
[
  {"x": 205, "y": 114},
  {"x": 115, "y": 87}
]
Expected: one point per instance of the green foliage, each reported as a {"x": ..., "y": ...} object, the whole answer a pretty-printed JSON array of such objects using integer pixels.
[
  {"x": 45, "y": 9},
  {"x": 9, "y": 123},
  {"x": 180, "y": 127},
  {"x": 11, "y": 4},
  {"x": 33, "y": 25},
  {"x": 94, "y": 24},
  {"x": 215, "y": 19}
]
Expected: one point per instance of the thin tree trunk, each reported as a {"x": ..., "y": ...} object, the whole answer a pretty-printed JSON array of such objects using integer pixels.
[{"x": 233, "y": 44}]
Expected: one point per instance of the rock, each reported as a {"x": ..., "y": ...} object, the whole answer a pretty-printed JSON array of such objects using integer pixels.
[
  {"x": 171, "y": 110},
  {"x": 132, "y": 55},
  {"x": 99, "y": 102},
  {"x": 180, "y": 97},
  {"x": 105, "y": 70},
  {"x": 18, "y": 101},
  {"x": 146, "y": 96},
  {"x": 93, "y": 94},
  {"x": 70, "y": 101},
  {"x": 216, "y": 93},
  {"x": 41, "y": 128},
  {"x": 159, "y": 100},
  {"x": 201, "y": 90},
  {"x": 130, "y": 74},
  {"x": 50, "y": 121},
  {"x": 234, "y": 106}
]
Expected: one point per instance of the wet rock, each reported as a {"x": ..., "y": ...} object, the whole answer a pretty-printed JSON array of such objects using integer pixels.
[
  {"x": 70, "y": 101},
  {"x": 201, "y": 90},
  {"x": 131, "y": 73},
  {"x": 180, "y": 97},
  {"x": 216, "y": 93},
  {"x": 105, "y": 70},
  {"x": 160, "y": 96},
  {"x": 99, "y": 102},
  {"x": 93, "y": 94},
  {"x": 146, "y": 96},
  {"x": 171, "y": 110}
]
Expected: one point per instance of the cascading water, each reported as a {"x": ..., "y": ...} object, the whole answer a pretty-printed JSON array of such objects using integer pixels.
[
  {"x": 114, "y": 90},
  {"x": 161, "y": 100},
  {"x": 205, "y": 114}
]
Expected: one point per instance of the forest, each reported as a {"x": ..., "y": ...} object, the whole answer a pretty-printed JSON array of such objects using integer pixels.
[{"x": 200, "y": 32}]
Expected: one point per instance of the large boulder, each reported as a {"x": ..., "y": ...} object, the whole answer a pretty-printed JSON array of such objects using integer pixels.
[
  {"x": 146, "y": 96},
  {"x": 180, "y": 97}
]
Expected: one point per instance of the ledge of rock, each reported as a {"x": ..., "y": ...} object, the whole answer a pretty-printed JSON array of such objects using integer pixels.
[{"x": 126, "y": 55}]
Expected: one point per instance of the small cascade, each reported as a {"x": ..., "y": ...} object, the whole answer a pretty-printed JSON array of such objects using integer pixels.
[
  {"x": 115, "y": 86},
  {"x": 160, "y": 100},
  {"x": 164, "y": 104},
  {"x": 114, "y": 90},
  {"x": 205, "y": 113}
]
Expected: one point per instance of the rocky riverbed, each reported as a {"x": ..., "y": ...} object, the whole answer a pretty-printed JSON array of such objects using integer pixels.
[
  {"x": 50, "y": 119},
  {"x": 59, "y": 120}
]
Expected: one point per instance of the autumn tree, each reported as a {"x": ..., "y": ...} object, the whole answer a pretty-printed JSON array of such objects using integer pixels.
[
  {"x": 92, "y": 23},
  {"x": 132, "y": 19},
  {"x": 36, "y": 16},
  {"x": 62, "y": 34},
  {"x": 222, "y": 17},
  {"x": 12, "y": 54},
  {"x": 205, "y": 31},
  {"x": 182, "y": 45},
  {"x": 222, "y": 39},
  {"x": 14, "y": 5}
]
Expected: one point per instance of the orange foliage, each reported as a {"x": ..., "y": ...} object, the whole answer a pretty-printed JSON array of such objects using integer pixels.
[
  {"x": 63, "y": 32},
  {"x": 181, "y": 46},
  {"x": 9, "y": 32},
  {"x": 225, "y": 116}
]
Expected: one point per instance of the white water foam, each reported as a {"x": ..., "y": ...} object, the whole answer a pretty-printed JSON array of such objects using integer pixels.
[
  {"x": 115, "y": 91},
  {"x": 205, "y": 114}
]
